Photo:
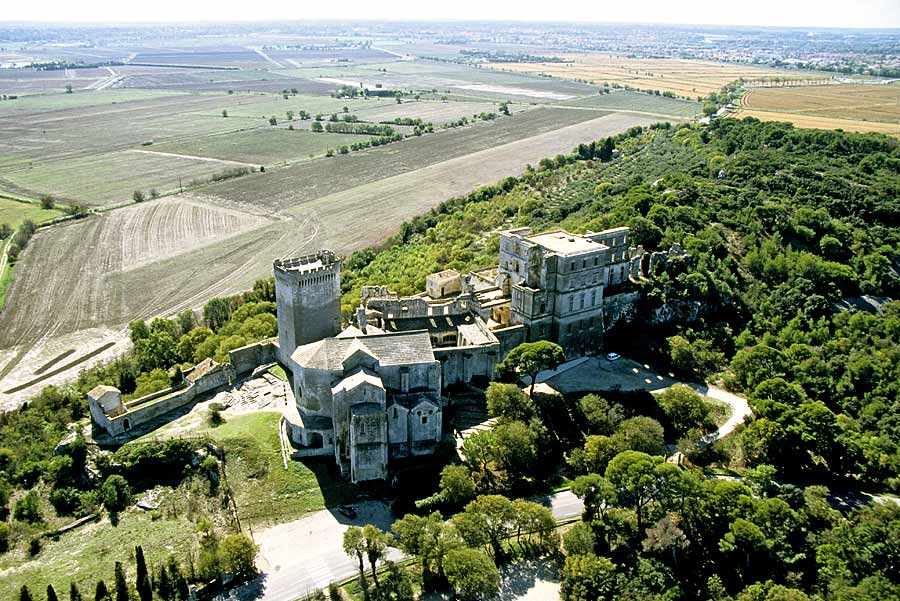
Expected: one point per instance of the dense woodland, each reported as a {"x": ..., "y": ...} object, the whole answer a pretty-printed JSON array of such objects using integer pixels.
[{"x": 786, "y": 230}]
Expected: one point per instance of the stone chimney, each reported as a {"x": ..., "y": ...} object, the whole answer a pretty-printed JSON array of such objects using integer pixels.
[{"x": 361, "y": 319}]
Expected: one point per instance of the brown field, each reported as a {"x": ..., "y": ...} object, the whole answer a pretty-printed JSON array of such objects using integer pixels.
[
  {"x": 815, "y": 122},
  {"x": 851, "y": 107},
  {"x": 689, "y": 78},
  {"x": 159, "y": 257}
]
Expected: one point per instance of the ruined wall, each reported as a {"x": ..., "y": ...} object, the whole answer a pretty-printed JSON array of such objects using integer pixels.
[
  {"x": 463, "y": 363},
  {"x": 247, "y": 358}
]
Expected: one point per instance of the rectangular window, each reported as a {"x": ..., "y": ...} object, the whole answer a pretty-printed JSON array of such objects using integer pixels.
[
  {"x": 571, "y": 303},
  {"x": 424, "y": 419},
  {"x": 404, "y": 383}
]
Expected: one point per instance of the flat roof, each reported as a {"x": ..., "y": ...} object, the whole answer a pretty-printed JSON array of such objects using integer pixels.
[{"x": 564, "y": 243}]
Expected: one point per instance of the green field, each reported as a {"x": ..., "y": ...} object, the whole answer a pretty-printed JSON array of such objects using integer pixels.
[
  {"x": 89, "y": 553},
  {"x": 14, "y": 212},
  {"x": 636, "y": 101},
  {"x": 110, "y": 178},
  {"x": 264, "y": 146},
  {"x": 263, "y": 106},
  {"x": 57, "y": 102}
]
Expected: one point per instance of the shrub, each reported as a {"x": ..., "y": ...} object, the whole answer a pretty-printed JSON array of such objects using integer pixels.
[
  {"x": 28, "y": 508},
  {"x": 116, "y": 493}
]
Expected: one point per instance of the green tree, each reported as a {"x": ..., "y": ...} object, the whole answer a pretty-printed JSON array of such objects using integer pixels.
[
  {"x": 116, "y": 493},
  {"x": 429, "y": 538},
  {"x": 685, "y": 409},
  {"x": 634, "y": 476},
  {"x": 515, "y": 450},
  {"x": 602, "y": 416},
  {"x": 457, "y": 485},
  {"x": 101, "y": 593},
  {"x": 488, "y": 517},
  {"x": 745, "y": 539},
  {"x": 355, "y": 546},
  {"x": 24, "y": 594},
  {"x": 579, "y": 540},
  {"x": 395, "y": 586},
  {"x": 641, "y": 433},
  {"x": 471, "y": 573},
  {"x": 142, "y": 576},
  {"x": 238, "y": 554},
  {"x": 28, "y": 508},
  {"x": 531, "y": 358},
  {"x": 376, "y": 543},
  {"x": 588, "y": 578},
  {"x": 122, "y": 593},
  {"x": 507, "y": 401}
]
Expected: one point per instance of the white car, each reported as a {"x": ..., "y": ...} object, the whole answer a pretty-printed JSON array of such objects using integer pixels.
[{"x": 613, "y": 356}]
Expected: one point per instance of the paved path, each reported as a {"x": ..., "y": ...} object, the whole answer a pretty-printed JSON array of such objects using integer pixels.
[{"x": 307, "y": 554}]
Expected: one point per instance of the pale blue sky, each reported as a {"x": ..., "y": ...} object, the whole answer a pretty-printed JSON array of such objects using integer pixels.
[{"x": 805, "y": 13}]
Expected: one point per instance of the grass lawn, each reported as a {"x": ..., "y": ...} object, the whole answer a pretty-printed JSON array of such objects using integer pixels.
[
  {"x": 278, "y": 372},
  {"x": 14, "y": 212},
  {"x": 89, "y": 553},
  {"x": 265, "y": 492}
]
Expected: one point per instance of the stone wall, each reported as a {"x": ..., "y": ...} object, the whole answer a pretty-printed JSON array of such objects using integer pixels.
[
  {"x": 620, "y": 307},
  {"x": 247, "y": 358}
]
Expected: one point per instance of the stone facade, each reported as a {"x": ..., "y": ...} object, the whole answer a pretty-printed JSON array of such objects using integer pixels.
[
  {"x": 557, "y": 280},
  {"x": 367, "y": 398},
  {"x": 308, "y": 299}
]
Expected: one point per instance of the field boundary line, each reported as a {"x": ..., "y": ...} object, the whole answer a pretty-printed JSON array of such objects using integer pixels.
[{"x": 190, "y": 156}]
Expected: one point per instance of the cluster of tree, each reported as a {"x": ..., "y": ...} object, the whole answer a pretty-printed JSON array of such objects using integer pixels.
[
  {"x": 233, "y": 555},
  {"x": 360, "y": 128},
  {"x": 20, "y": 238},
  {"x": 785, "y": 228},
  {"x": 651, "y": 530},
  {"x": 460, "y": 554}
]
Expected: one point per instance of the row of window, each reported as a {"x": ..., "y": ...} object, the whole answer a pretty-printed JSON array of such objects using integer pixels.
[{"x": 581, "y": 299}]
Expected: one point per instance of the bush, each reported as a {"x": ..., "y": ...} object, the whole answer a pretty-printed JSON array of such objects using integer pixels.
[
  {"x": 116, "y": 493},
  {"x": 215, "y": 419},
  {"x": 65, "y": 500},
  {"x": 4, "y": 538},
  {"x": 28, "y": 508}
]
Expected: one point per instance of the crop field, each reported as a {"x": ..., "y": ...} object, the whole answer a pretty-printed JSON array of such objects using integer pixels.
[
  {"x": 262, "y": 146},
  {"x": 291, "y": 57},
  {"x": 691, "y": 78},
  {"x": 57, "y": 102},
  {"x": 436, "y": 112},
  {"x": 225, "y": 56},
  {"x": 863, "y": 107},
  {"x": 263, "y": 106},
  {"x": 108, "y": 277},
  {"x": 282, "y": 188},
  {"x": 26, "y": 81},
  {"x": 815, "y": 122},
  {"x": 637, "y": 101},
  {"x": 14, "y": 213},
  {"x": 111, "y": 178}
]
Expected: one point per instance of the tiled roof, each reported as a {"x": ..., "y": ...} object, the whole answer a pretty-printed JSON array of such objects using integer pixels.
[{"x": 405, "y": 348}]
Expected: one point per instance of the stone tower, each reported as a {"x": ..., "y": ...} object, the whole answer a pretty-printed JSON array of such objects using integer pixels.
[{"x": 308, "y": 295}]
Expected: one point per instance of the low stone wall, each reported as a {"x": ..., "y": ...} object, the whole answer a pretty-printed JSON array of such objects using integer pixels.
[
  {"x": 142, "y": 410},
  {"x": 247, "y": 358}
]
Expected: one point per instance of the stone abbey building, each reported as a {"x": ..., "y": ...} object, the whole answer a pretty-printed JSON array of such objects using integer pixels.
[{"x": 371, "y": 392}]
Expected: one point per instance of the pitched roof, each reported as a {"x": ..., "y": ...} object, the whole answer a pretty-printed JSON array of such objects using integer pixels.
[
  {"x": 358, "y": 378},
  {"x": 405, "y": 348}
]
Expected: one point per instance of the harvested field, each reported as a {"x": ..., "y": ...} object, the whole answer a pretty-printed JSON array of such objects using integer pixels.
[
  {"x": 814, "y": 122},
  {"x": 691, "y": 78},
  {"x": 187, "y": 275},
  {"x": 876, "y": 103},
  {"x": 262, "y": 146},
  {"x": 14, "y": 213},
  {"x": 79, "y": 260},
  {"x": 110, "y": 178},
  {"x": 283, "y": 188},
  {"x": 28, "y": 81},
  {"x": 637, "y": 101},
  {"x": 225, "y": 56},
  {"x": 263, "y": 106}
]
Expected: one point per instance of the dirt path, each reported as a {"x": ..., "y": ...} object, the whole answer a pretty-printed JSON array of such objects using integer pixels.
[{"x": 190, "y": 156}]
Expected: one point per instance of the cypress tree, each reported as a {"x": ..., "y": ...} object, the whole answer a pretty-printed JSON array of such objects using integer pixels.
[
  {"x": 24, "y": 595},
  {"x": 101, "y": 594},
  {"x": 121, "y": 583},
  {"x": 145, "y": 592},
  {"x": 74, "y": 593},
  {"x": 163, "y": 586},
  {"x": 51, "y": 594}
]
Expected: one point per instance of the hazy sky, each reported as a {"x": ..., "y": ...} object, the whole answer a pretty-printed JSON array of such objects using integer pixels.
[{"x": 808, "y": 13}]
